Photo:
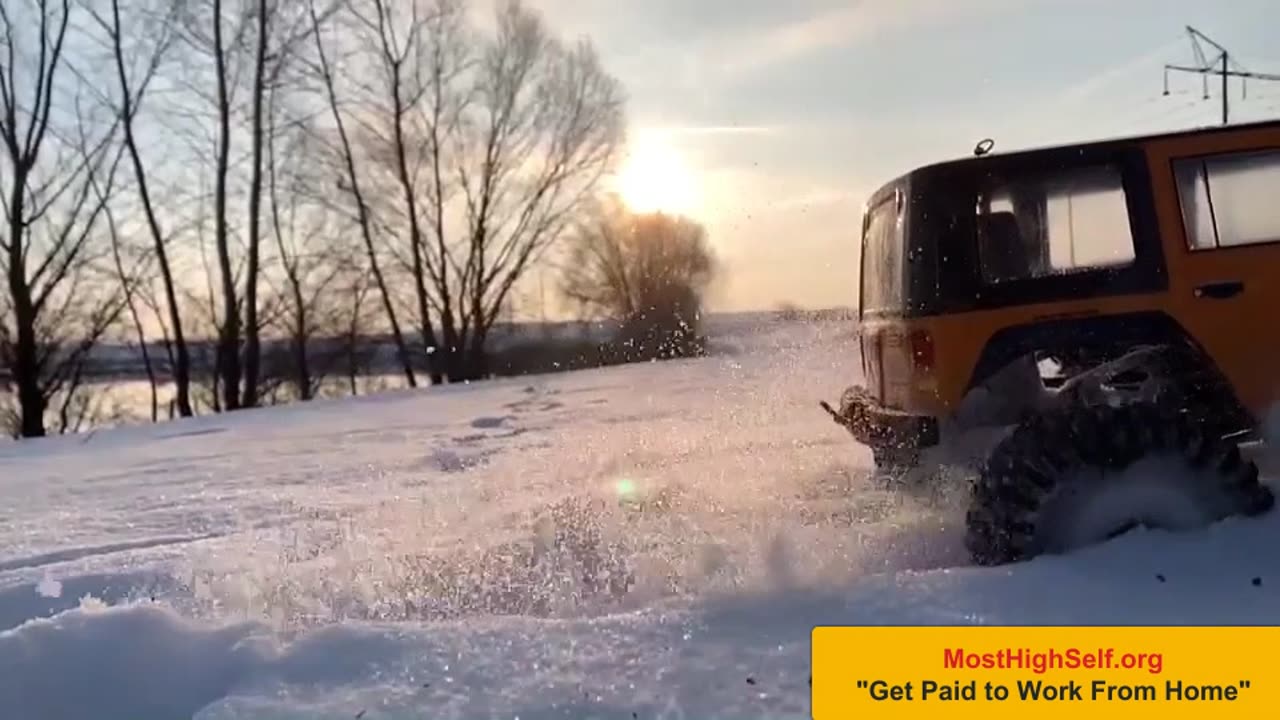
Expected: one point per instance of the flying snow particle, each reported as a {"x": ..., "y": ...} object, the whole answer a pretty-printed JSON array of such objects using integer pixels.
[{"x": 50, "y": 588}]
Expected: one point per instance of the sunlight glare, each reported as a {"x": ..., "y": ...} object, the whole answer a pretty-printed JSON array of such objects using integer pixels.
[{"x": 655, "y": 178}]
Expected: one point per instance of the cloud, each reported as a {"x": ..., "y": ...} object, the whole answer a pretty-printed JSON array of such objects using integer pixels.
[
  {"x": 672, "y": 131},
  {"x": 840, "y": 25}
]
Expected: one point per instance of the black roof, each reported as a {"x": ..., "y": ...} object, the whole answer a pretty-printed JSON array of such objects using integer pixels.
[{"x": 1091, "y": 145}]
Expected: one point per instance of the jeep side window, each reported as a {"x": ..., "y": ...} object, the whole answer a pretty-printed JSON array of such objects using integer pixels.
[
  {"x": 1067, "y": 221},
  {"x": 1229, "y": 200}
]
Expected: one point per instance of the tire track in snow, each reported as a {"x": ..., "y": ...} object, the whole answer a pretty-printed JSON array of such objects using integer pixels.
[{"x": 80, "y": 553}]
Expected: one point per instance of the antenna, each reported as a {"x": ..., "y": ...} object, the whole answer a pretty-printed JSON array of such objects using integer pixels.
[{"x": 1220, "y": 64}]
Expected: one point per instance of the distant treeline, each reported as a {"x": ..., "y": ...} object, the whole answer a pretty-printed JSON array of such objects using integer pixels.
[{"x": 376, "y": 352}]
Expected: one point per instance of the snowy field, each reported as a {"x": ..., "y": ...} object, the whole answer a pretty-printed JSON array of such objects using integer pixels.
[{"x": 651, "y": 541}]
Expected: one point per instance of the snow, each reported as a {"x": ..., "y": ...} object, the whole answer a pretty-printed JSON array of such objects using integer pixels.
[{"x": 464, "y": 551}]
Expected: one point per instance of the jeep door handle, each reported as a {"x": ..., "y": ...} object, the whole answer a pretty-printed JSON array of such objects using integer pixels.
[{"x": 1220, "y": 290}]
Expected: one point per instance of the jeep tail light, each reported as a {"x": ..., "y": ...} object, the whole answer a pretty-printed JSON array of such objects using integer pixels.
[{"x": 922, "y": 350}]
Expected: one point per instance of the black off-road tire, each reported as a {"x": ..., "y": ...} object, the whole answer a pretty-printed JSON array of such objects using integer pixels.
[{"x": 1058, "y": 481}]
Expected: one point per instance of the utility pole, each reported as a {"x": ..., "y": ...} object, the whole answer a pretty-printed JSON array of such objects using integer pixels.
[{"x": 1221, "y": 64}]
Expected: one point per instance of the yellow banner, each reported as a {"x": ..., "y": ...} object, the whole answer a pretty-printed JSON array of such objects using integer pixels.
[{"x": 1046, "y": 672}]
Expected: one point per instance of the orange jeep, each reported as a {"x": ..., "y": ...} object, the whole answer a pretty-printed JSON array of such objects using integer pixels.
[{"x": 1098, "y": 309}]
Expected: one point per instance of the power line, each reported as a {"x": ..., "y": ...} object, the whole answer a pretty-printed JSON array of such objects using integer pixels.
[{"x": 1221, "y": 65}]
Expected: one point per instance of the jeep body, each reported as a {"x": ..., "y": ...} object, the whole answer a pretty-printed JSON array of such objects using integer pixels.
[{"x": 978, "y": 271}]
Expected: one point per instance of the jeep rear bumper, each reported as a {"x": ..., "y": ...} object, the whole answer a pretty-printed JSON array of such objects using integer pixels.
[{"x": 877, "y": 426}]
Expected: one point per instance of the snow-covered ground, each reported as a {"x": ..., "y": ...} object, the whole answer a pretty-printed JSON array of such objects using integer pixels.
[{"x": 651, "y": 541}]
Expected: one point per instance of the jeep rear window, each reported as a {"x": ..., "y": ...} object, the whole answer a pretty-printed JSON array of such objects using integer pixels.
[
  {"x": 1064, "y": 221},
  {"x": 882, "y": 257}
]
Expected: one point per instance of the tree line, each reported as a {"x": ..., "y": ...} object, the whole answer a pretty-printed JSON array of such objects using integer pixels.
[{"x": 299, "y": 169}]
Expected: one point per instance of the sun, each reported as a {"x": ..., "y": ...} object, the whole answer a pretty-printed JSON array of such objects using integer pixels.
[{"x": 655, "y": 178}]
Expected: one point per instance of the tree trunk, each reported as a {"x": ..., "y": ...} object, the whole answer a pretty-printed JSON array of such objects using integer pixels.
[
  {"x": 182, "y": 358},
  {"x": 362, "y": 209},
  {"x": 26, "y": 367},
  {"x": 301, "y": 365},
  {"x": 253, "y": 350},
  {"x": 470, "y": 362},
  {"x": 415, "y": 229},
  {"x": 229, "y": 330}
]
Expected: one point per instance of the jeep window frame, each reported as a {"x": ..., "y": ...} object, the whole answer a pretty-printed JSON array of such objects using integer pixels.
[
  {"x": 941, "y": 227},
  {"x": 1200, "y": 162}
]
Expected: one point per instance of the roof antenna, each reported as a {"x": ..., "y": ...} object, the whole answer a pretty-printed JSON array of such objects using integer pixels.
[{"x": 984, "y": 146}]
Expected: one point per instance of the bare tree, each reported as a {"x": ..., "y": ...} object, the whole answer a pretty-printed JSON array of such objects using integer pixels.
[
  {"x": 205, "y": 313},
  {"x": 129, "y": 282},
  {"x": 220, "y": 32},
  {"x": 229, "y": 329},
  {"x": 47, "y": 172},
  {"x": 416, "y": 49},
  {"x": 162, "y": 20},
  {"x": 253, "y": 341},
  {"x": 216, "y": 33},
  {"x": 248, "y": 46},
  {"x": 278, "y": 36},
  {"x": 495, "y": 144},
  {"x": 352, "y": 184},
  {"x": 647, "y": 271},
  {"x": 90, "y": 299},
  {"x": 310, "y": 260},
  {"x": 544, "y": 127}
]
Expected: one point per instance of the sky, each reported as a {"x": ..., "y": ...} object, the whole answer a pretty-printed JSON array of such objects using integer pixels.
[{"x": 781, "y": 117}]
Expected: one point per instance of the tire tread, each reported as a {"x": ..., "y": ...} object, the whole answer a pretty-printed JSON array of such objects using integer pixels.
[{"x": 1047, "y": 450}]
